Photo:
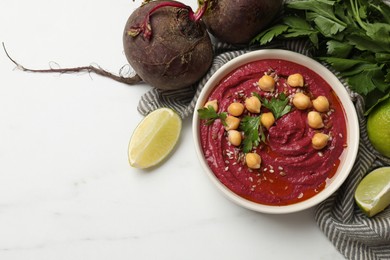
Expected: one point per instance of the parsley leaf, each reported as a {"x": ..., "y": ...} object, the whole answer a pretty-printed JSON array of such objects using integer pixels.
[
  {"x": 363, "y": 76},
  {"x": 268, "y": 34},
  {"x": 279, "y": 106},
  {"x": 322, "y": 9},
  {"x": 338, "y": 49},
  {"x": 210, "y": 115},
  {"x": 250, "y": 125}
]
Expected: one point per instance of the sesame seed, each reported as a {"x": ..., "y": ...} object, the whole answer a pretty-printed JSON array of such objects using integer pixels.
[{"x": 300, "y": 195}]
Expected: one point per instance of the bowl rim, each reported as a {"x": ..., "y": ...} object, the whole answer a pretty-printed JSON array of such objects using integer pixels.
[{"x": 352, "y": 125}]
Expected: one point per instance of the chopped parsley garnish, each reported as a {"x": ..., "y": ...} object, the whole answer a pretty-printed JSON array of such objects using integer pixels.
[{"x": 250, "y": 125}]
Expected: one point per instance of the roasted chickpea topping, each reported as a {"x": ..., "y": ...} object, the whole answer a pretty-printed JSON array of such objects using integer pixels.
[
  {"x": 253, "y": 104},
  {"x": 253, "y": 160},
  {"x": 319, "y": 140},
  {"x": 301, "y": 101},
  {"x": 295, "y": 80},
  {"x": 267, "y": 83},
  {"x": 321, "y": 104},
  {"x": 314, "y": 120},
  {"x": 236, "y": 109},
  {"x": 234, "y": 137},
  {"x": 267, "y": 119},
  {"x": 232, "y": 122},
  {"x": 213, "y": 103}
]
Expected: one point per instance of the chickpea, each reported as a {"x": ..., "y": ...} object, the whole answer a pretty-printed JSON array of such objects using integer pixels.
[
  {"x": 253, "y": 160},
  {"x": 236, "y": 109},
  {"x": 319, "y": 141},
  {"x": 267, "y": 119},
  {"x": 295, "y": 80},
  {"x": 253, "y": 104},
  {"x": 234, "y": 137},
  {"x": 213, "y": 103},
  {"x": 321, "y": 104},
  {"x": 314, "y": 120},
  {"x": 232, "y": 122},
  {"x": 267, "y": 83},
  {"x": 301, "y": 101}
]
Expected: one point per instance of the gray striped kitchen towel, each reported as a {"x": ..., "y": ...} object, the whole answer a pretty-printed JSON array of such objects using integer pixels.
[{"x": 354, "y": 234}]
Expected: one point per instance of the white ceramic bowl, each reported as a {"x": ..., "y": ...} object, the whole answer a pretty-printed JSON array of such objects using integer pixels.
[{"x": 348, "y": 156}]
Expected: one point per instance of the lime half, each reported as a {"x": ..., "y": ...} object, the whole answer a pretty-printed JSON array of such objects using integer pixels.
[
  {"x": 373, "y": 192},
  {"x": 154, "y": 138}
]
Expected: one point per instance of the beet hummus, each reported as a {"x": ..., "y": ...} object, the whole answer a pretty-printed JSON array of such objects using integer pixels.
[{"x": 291, "y": 165}]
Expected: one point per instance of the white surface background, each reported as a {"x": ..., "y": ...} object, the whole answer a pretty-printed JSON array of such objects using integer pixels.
[{"x": 66, "y": 189}]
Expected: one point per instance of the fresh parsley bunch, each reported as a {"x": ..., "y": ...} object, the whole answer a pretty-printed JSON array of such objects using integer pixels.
[{"x": 353, "y": 36}]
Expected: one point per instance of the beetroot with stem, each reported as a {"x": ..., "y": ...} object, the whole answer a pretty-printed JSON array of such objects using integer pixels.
[
  {"x": 167, "y": 44},
  {"x": 239, "y": 21},
  {"x": 172, "y": 51}
]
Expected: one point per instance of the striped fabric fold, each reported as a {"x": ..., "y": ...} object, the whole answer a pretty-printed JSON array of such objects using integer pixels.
[{"x": 355, "y": 235}]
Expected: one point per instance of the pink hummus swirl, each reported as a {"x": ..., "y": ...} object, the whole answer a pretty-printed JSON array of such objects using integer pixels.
[{"x": 291, "y": 169}]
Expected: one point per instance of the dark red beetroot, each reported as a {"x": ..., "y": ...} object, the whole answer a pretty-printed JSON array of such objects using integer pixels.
[
  {"x": 167, "y": 45},
  {"x": 239, "y": 21}
]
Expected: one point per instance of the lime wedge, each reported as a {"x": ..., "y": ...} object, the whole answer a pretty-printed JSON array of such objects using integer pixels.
[
  {"x": 373, "y": 192},
  {"x": 154, "y": 138}
]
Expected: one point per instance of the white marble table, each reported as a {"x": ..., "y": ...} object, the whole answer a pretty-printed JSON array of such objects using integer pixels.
[{"x": 66, "y": 188}]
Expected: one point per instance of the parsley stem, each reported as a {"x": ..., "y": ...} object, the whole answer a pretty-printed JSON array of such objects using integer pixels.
[{"x": 355, "y": 10}]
